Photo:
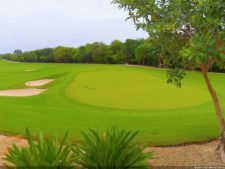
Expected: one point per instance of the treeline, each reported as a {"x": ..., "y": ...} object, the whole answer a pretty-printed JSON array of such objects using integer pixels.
[
  {"x": 132, "y": 51},
  {"x": 138, "y": 51}
]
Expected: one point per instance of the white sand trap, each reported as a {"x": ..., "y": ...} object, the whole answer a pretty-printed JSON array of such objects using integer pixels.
[
  {"x": 21, "y": 92},
  {"x": 39, "y": 82}
]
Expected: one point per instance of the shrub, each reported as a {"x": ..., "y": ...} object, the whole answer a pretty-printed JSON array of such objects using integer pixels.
[
  {"x": 45, "y": 153},
  {"x": 112, "y": 150}
]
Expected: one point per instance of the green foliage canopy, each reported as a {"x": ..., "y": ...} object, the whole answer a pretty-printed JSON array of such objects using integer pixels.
[{"x": 199, "y": 24}]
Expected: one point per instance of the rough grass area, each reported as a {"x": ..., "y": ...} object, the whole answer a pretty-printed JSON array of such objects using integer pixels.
[{"x": 98, "y": 96}]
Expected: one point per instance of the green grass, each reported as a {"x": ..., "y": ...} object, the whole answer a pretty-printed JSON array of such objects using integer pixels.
[
  {"x": 126, "y": 89},
  {"x": 98, "y": 96}
]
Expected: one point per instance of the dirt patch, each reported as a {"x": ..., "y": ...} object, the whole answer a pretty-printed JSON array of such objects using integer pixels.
[
  {"x": 6, "y": 141},
  {"x": 39, "y": 82},
  {"x": 21, "y": 92},
  {"x": 189, "y": 155}
]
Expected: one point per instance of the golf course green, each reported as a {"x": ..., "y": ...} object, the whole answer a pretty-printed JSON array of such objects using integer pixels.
[{"x": 86, "y": 96}]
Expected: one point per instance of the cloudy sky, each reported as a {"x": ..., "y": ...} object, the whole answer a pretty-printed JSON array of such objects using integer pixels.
[{"x": 34, "y": 24}]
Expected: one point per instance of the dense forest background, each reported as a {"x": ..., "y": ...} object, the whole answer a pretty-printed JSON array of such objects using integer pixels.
[{"x": 132, "y": 51}]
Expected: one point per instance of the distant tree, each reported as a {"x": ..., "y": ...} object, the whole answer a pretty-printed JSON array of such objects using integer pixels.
[
  {"x": 8, "y": 56},
  {"x": 147, "y": 54},
  {"x": 62, "y": 54},
  {"x": 98, "y": 52},
  {"x": 128, "y": 50},
  {"x": 142, "y": 52},
  {"x": 86, "y": 52},
  {"x": 75, "y": 55},
  {"x": 17, "y": 52},
  {"x": 28, "y": 57},
  {"x": 46, "y": 55},
  {"x": 43, "y": 58},
  {"x": 200, "y": 23},
  {"x": 115, "y": 51},
  {"x": 116, "y": 46}
]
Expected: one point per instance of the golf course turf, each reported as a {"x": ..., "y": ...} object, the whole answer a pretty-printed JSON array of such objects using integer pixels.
[{"x": 86, "y": 96}]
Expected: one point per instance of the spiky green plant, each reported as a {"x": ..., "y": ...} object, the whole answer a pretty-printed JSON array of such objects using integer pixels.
[
  {"x": 45, "y": 153},
  {"x": 112, "y": 150}
]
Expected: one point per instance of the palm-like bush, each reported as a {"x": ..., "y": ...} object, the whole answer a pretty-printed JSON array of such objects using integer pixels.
[
  {"x": 112, "y": 150},
  {"x": 45, "y": 153}
]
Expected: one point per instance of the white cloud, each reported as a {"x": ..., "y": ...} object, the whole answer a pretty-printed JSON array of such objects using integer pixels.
[{"x": 32, "y": 24}]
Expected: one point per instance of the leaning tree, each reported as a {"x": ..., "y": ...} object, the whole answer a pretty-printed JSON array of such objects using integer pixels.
[{"x": 193, "y": 31}]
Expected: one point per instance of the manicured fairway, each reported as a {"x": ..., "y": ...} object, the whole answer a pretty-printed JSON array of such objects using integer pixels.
[{"x": 98, "y": 96}]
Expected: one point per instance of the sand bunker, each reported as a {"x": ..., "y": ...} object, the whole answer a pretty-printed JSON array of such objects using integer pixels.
[
  {"x": 27, "y": 92},
  {"x": 21, "y": 92},
  {"x": 39, "y": 82}
]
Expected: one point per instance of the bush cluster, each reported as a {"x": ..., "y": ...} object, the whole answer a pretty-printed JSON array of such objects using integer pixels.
[{"x": 112, "y": 150}]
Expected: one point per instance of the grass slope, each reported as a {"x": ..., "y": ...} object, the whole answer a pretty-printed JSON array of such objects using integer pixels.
[{"x": 98, "y": 96}]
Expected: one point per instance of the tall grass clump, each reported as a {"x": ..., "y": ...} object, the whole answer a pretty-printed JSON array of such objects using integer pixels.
[
  {"x": 45, "y": 153},
  {"x": 112, "y": 150}
]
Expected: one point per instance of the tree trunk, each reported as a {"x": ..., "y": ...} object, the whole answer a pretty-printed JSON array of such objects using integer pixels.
[
  {"x": 126, "y": 60},
  {"x": 143, "y": 62},
  {"x": 159, "y": 62},
  {"x": 220, "y": 119}
]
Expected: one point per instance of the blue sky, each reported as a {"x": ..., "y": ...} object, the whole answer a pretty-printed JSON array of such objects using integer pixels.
[{"x": 34, "y": 24}]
